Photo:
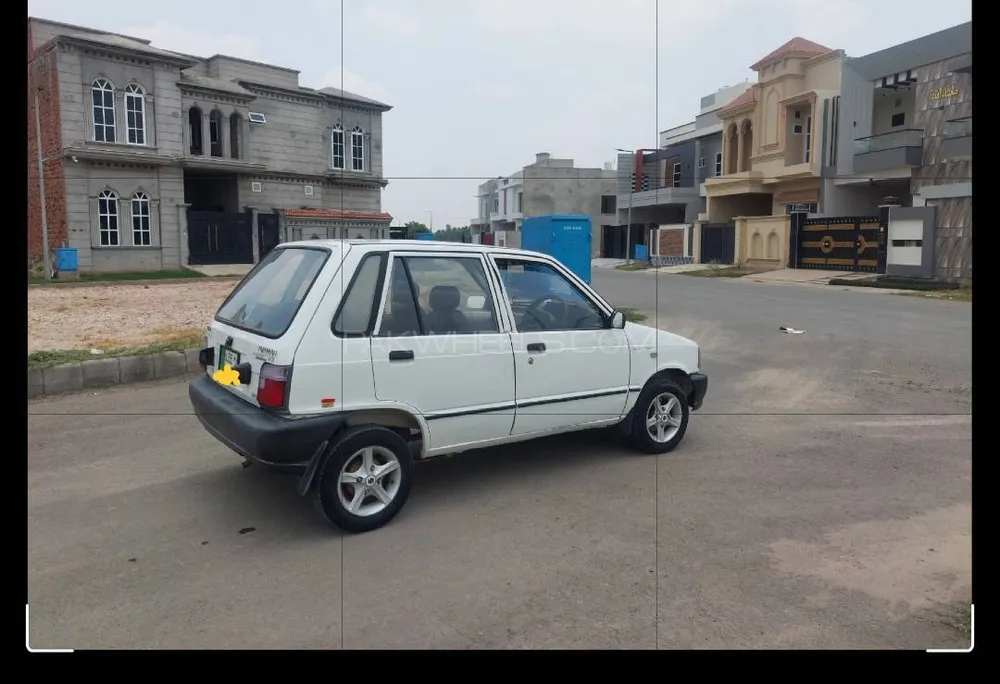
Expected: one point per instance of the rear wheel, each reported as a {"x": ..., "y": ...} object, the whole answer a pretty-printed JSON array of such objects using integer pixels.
[
  {"x": 366, "y": 479},
  {"x": 660, "y": 418}
]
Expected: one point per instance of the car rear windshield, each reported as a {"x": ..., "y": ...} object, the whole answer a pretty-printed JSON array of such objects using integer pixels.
[{"x": 267, "y": 301}]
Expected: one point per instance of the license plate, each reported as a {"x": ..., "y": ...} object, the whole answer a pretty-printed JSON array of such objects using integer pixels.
[{"x": 228, "y": 356}]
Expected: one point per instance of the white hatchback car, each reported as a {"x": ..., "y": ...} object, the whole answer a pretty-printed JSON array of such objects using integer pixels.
[{"x": 347, "y": 360}]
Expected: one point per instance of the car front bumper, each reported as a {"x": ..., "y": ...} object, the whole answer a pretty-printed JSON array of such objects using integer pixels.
[
  {"x": 256, "y": 434},
  {"x": 699, "y": 386}
]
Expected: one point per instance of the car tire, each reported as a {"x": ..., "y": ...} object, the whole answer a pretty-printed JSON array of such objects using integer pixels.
[
  {"x": 662, "y": 392},
  {"x": 379, "y": 445}
]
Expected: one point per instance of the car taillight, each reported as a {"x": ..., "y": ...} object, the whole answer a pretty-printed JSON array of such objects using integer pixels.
[{"x": 272, "y": 386}]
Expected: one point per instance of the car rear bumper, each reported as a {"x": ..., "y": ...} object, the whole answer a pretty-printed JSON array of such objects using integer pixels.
[
  {"x": 254, "y": 433},
  {"x": 699, "y": 385}
]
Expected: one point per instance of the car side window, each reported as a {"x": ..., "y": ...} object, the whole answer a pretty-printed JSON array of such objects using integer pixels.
[
  {"x": 357, "y": 307},
  {"x": 448, "y": 295},
  {"x": 542, "y": 298}
]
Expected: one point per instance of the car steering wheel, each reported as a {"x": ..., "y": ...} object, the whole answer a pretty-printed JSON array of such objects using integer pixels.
[{"x": 538, "y": 307}]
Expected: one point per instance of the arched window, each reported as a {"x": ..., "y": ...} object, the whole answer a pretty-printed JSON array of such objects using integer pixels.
[
  {"x": 142, "y": 231},
  {"x": 357, "y": 149},
  {"x": 103, "y": 94},
  {"x": 135, "y": 114},
  {"x": 337, "y": 152},
  {"x": 235, "y": 128},
  {"x": 107, "y": 216},
  {"x": 194, "y": 131}
]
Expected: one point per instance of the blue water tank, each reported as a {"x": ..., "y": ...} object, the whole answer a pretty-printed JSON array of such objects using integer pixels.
[
  {"x": 67, "y": 260},
  {"x": 567, "y": 237},
  {"x": 425, "y": 236}
]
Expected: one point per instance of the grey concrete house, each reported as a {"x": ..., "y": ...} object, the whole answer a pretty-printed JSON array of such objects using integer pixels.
[
  {"x": 666, "y": 185},
  {"x": 903, "y": 142},
  {"x": 156, "y": 160},
  {"x": 548, "y": 186}
]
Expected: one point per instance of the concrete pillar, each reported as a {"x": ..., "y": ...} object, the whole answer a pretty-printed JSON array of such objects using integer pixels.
[
  {"x": 182, "y": 232},
  {"x": 255, "y": 232},
  {"x": 224, "y": 133},
  {"x": 740, "y": 161},
  {"x": 696, "y": 181},
  {"x": 206, "y": 134}
]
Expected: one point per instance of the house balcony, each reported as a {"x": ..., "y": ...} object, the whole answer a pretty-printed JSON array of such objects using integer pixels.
[
  {"x": 889, "y": 151},
  {"x": 658, "y": 196},
  {"x": 957, "y": 143}
]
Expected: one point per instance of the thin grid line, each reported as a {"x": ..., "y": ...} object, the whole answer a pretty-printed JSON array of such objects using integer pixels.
[
  {"x": 343, "y": 34},
  {"x": 656, "y": 459},
  {"x": 747, "y": 414}
]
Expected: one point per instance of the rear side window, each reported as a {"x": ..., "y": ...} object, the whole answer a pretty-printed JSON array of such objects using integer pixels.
[
  {"x": 267, "y": 301},
  {"x": 357, "y": 310}
]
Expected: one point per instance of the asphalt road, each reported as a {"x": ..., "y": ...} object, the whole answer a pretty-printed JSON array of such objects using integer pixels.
[{"x": 821, "y": 499}]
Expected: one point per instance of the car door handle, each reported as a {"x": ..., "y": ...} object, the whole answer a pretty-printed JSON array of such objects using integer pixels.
[
  {"x": 400, "y": 355},
  {"x": 536, "y": 346}
]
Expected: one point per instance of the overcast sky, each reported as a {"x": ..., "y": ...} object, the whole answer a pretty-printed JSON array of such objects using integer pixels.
[{"x": 479, "y": 86}]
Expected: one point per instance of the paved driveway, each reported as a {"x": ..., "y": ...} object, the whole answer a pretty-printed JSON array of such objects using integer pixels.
[{"x": 821, "y": 499}]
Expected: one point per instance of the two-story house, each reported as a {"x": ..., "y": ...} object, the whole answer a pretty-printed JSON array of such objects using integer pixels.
[
  {"x": 547, "y": 186},
  {"x": 771, "y": 134},
  {"x": 156, "y": 160},
  {"x": 902, "y": 142},
  {"x": 666, "y": 186}
]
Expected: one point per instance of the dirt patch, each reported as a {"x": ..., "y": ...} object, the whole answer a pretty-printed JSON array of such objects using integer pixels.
[
  {"x": 107, "y": 316},
  {"x": 920, "y": 562}
]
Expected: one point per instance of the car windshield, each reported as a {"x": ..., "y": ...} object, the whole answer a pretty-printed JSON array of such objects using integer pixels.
[{"x": 268, "y": 299}]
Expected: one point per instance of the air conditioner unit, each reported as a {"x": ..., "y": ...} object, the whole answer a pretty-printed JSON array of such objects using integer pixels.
[{"x": 797, "y": 129}]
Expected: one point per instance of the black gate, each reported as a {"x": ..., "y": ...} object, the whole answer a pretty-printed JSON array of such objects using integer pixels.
[
  {"x": 215, "y": 237},
  {"x": 268, "y": 233},
  {"x": 718, "y": 243},
  {"x": 847, "y": 243}
]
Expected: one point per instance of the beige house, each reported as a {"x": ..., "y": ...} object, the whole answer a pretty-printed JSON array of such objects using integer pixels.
[{"x": 772, "y": 135}]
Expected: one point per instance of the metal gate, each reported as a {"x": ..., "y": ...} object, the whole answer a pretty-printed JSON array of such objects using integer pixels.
[
  {"x": 718, "y": 243},
  {"x": 268, "y": 233},
  {"x": 216, "y": 237},
  {"x": 847, "y": 243}
]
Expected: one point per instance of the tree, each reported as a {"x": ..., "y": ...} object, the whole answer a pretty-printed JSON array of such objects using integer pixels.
[
  {"x": 453, "y": 234},
  {"x": 413, "y": 228}
]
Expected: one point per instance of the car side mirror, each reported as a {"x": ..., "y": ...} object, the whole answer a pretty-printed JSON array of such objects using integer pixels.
[{"x": 617, "y": 320}]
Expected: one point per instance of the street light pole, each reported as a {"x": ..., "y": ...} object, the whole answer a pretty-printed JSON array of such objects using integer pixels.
[
  {"x": 432, "y": 220},
  {"x": 41, "y": 192}
]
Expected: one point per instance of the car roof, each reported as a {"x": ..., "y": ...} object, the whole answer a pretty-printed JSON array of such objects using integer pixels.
[{"x": 415, "y": 246}]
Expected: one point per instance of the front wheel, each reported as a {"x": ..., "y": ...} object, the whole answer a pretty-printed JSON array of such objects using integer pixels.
[
  {"x": 366, "y": 479},
  {"x": 660, "y": 418}
]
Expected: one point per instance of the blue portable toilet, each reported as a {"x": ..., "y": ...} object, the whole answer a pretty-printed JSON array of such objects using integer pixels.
[
  {"x": 67, "y": 260},
  {"x": 425, "y": 236},
  {"x": 567, "y": 237}
]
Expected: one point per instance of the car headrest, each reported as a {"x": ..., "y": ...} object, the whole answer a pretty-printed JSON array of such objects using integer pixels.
[{"x": 445, "y": 298}]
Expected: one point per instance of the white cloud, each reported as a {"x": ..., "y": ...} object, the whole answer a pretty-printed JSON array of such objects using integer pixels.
[
  {"x": 496, "y": 92},
  {"x": 178, "y": 38},
  {"x": 354, "y": 82},
  {"x": 391, "y": 20}
]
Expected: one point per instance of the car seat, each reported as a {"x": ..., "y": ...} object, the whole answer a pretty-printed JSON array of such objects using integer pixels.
[
  {"x": 444, "y": 316},
  {"x": 403, "y": 317}
]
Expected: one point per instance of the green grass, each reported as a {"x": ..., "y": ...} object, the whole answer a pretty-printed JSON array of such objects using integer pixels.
[
  {"x": 718, "y": 271},
  {"x": 897, "y": 283},
  {"x": 634, "y": 266},
  {"x": 172, "y": 274},
  {"x": 632, "y": 316},
  {"x": 177, "y": 342}
]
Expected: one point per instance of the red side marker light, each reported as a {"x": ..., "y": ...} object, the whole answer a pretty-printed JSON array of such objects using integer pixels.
[{"x": 327, "y": 402}]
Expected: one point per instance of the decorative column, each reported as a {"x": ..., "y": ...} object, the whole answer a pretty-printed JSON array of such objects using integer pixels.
[
  {"x": 224, "y": 134},
  {"x": 206, "y": 134},
  {"x": 739, "y": 148},
  {"x": 182, "y": 233},
  {"x": 255, "y": 234}
]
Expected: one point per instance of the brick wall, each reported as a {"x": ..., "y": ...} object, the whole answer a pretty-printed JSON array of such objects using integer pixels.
[
  {"x": 672, "y": 242},
  {"x": 43, "y": 73}
]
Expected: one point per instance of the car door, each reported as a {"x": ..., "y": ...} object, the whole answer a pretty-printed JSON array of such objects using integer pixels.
[
  {"x": 571, "y": 367},
  {"x": 442, "y": 347}
]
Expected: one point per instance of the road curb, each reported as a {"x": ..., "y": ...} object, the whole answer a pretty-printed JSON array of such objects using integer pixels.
[
  {"x": 108, "y": 372},
  {"x": 155, "y": 281}
]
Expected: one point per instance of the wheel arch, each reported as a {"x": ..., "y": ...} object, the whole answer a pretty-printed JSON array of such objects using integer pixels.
[
  {"x": 397, "y": 417},
  {"x": 678, "y": 376}
]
